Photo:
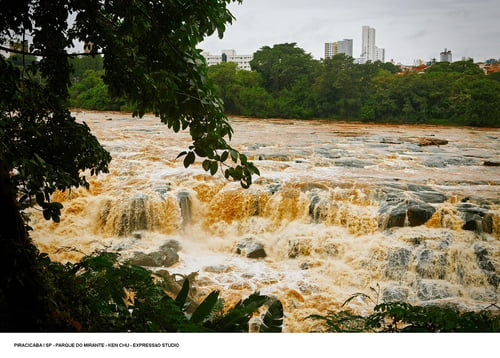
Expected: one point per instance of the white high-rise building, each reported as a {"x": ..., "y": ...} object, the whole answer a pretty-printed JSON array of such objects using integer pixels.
[
  {"x": 243, "y": 61},
  {"x": 368, "y": 49},
  {"x": 338, "y": 47},
  {"x": 379, "y": 54}
]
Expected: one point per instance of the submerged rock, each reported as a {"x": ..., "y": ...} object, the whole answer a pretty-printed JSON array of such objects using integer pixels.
[
  {"x": 397, "y": 263},
  {"x": 476, "y": 218},
  {"x": 250, "y": 248},
  {"x": 166, "y": 256},
  {"x": 402, "y": 208}
]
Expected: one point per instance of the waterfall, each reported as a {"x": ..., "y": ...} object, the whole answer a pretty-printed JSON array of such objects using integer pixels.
[{"x": 185, "y": 204}]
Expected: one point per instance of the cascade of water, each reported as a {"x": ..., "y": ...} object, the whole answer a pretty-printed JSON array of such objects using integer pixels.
[
  {"x": 184, "y": 199},
  {"x": 353, "y": 212}
]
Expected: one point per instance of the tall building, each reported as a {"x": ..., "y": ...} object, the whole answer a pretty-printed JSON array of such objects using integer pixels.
[
  {"x": 445, "y": 56},
  {"x": 243, "y": 61},
  {"x": 379, "y": 54},
  {"x": 338, "y": 47},
  {"x": 368, "y": 49}
]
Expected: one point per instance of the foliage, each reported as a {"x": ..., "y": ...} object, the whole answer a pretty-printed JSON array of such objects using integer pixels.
[
  {"x": 150, "y": 61},
  {"x": 404, "y": 317},
  {"x": 92, "y": 93},
  {"x": 101, "y": 294}
]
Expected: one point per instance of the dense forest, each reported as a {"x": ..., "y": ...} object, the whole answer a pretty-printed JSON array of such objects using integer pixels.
[{"x": 286, "y": 82}]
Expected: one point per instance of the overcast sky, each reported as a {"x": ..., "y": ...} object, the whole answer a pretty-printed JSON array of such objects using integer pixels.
[{"x": 408, "y": 30}]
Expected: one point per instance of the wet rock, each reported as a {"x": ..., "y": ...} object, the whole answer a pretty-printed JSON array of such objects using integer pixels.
[
  {"x": 397, "y": 263},
  {"x": 418, "y": 212},
  {"x": 476, "y": 218},
  {"x": 250, "y": 248},
  {"x": 392, "y": 214},
  {"x": 276, "y": 157},
  {"x": 218, "y": 268},
  {"x": 440, "y": 162},
  {"x": 486, "y": 265},
  {"x": 425, "y": 141},
  {"x": 353, "y": 163},
  {"x": 395, "y": 294},
  {"x": 304, "y": 266},
  {"x": 399, "y": 210},
  {"x": 166, "y": 256},
  {"x": 428, "y": 290},
  {"x": 431, "y": 264},
  {"x": 299, "y": 246}
]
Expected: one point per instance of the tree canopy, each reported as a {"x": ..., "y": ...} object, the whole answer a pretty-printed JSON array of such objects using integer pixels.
[{"x": 150, "y": 60}]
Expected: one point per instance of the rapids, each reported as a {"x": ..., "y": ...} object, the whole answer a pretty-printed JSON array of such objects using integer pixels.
[{"x": 397, "y": 212}]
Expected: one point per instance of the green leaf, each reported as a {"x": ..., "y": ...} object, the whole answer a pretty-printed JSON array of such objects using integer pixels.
[
  {"x": 205, "y": 308},
  {"x": 181, "y": 154},
  {"x": 224, "y": 156},
  {"x": 190, "y": 157},
  {"x": 214, "y": 166},
  {"x": 206, "y": 165},
  {"x": 181, "y": 298},
  {"x": 273, "y": 319}
]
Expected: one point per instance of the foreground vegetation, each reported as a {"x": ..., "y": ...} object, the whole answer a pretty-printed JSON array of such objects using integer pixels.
[
  {"x": 102, "y": 294},
  {"x": 402, "y": 317}
]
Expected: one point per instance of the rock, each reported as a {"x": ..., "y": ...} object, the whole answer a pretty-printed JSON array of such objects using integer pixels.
[
  {"x": 353, "y": 163},
  {"x": 304, "y": 266},
  {"x": 276, "y": 157},
  {"x": 428, "y": 290},
  {"x": 433, "y": 197},
  {"x": 299, "y": 246},
  {"x": 400, "y": 209},
  {"x": 489, "y": 163},
  {"x": 250, "y": 248},
  {"x": 431, "y": 264},
  {"x": 397, "y": 263},
  {"x": 218, "y": 268},
  {"x": 425, "y": 141},
  {"x": 395, "y": 294},
  {"x": 476, "y": 218},
  {"x": 486, "y": 265},
  {"x": 418, "y": 212},
  {"x": 166, "y": 256},
  {"x": 392, "y": 215}
]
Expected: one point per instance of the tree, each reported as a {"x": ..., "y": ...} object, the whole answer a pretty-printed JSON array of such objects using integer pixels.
[
  {"x": 150, "y": 59},
  {"x": 282, "y": 66}
]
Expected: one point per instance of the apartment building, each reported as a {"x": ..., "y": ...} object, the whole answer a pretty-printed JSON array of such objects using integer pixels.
[
  {"x": 338, "y": 47},
  {"x": 243, "y": 61}
]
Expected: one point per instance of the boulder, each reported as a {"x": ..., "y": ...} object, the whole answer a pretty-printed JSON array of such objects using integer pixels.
[
  {"x": 353, "y": 163},
  {"x": 250, "y": 248},
  {"x": 476, "y": 218},
  {"x": 418, "y": 212},
  {"x": 397, "y": 263},
  {"x": 425, "y": 141},
  {"x": 167, "y": 255},
  {"x": 428, "y": 290},
  {"x": 486, "y": 265},
  {"x": 399, "y": 210},
  {"x": 395, "y": 294},
  {"x": 431, "y": 264}
]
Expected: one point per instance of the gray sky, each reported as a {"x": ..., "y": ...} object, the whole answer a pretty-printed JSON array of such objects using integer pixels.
[{"x": 408, "y": 30}]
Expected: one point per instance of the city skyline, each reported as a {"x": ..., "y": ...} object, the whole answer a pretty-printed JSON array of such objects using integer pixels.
[{"x": 409, "y": 32}]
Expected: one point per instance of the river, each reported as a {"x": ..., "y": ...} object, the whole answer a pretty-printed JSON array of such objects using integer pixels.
[{"x": 396, "y": 212}]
